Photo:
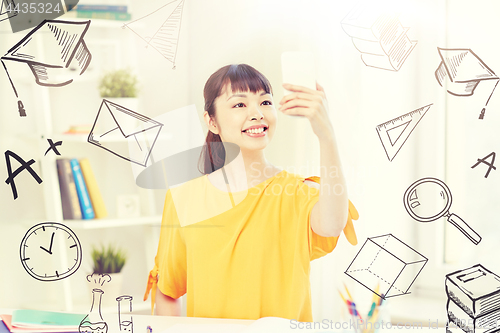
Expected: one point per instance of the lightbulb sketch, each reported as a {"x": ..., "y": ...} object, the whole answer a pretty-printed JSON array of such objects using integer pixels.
[
  {"x": 429, "y": 199},
  {"x": 378, "y": 36},
  {"x": 394, "y": 133},
  {"x": 388, "y": 262},
  {"x": 473, "y": 299},
  {"x": 462, "y": 70},
  {"x": 65, "y": 55},
  {"x": 161, "y": 28},
  {"x": 7, "y": 9}
]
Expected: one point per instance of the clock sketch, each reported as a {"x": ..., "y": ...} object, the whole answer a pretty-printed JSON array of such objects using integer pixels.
[{"x": 50, "y": 251}]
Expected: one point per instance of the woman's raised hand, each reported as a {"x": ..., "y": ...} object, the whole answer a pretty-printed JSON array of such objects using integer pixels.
[{"x": 311, "y": 104}]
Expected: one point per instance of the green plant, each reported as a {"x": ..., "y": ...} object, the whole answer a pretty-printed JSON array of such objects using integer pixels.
[
  {"x": 119, "y": 83},
  {"x": 108, "y": 260}
]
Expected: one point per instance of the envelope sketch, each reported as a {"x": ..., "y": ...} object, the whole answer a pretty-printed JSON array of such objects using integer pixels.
[{"x": 116, "y": 124}]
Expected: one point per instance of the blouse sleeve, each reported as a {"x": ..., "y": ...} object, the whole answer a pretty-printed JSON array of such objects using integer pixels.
[
  {"x": 319, "y": 245},
  {"x": 169, "y": 272}
]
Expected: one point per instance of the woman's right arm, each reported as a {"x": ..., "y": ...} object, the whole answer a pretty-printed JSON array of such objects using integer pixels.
[{"x": 166, "y": 305}]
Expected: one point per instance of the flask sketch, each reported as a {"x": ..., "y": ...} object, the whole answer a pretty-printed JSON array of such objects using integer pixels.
[
  {"x": 93, "y": 322},
  {"x": 125, "y": 313}
]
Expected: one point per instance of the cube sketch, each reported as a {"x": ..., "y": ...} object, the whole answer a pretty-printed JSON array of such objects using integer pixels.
[{"x": 387, "y": 261}]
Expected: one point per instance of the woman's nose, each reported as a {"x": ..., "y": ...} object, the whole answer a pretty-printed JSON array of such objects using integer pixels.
[{"x": 255, "y": 113}]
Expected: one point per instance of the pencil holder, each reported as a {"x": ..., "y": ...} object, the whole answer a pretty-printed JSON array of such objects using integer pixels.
[{"x": 379, "y": 321}]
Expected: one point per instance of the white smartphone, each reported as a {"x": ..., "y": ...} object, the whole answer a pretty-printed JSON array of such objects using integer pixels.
[{"x": 298, "y": 68}]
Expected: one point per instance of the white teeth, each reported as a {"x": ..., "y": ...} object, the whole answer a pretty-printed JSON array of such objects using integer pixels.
[{"x": 256, "y": 131}]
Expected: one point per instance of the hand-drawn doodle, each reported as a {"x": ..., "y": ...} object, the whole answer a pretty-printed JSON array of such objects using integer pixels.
[
  {"x": 378, "y": 36},
  {"x": 53, "y": 146},
  {"x": 119, "y": 123},
  {"x": 160, "y": 33},
  {"x": 24, "y": 166},
  {"x": 463, "y": 70},
  {"x": 50, "y": 251},
  {"x": 473, "y": 299},
  {"x": 7, "y": 9},
  {"x": 394, "y": 133},
  {"x": 66, "y": 48},
  {"x": 490, "y": 165},
  {"x": 429, "y": 199},
  {"x": 389, "y": 262},
  {"x": 125, "y": 313},
  {"x": 94, "y": 322}
]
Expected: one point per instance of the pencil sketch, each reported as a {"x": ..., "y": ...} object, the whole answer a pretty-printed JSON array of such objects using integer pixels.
[
  {"x": 7, "y": 9},
  {"x": 64, "y": 56},
  {"x": 115, "y": 123},
  {"x": 473, "y": 299},
  {"x": 489, "y": 164},
  {"x": 159, "y": 32},
  {"x": 53, "y": 146},
  {"x": 50, "y": 251},
  {"x": 125, "y": 313},
  {"x": 378, "y": 36},
  {"x": 461, "y": 71},
  {"x": 429, "y": 199},
  {"x": 394, "y": 133},
  {"x": 388, "y": 262},
  {"x": 24, "y": 166}
]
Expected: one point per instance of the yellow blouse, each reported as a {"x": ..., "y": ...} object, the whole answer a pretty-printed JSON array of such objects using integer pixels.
[{"x": 244, "y": 262}]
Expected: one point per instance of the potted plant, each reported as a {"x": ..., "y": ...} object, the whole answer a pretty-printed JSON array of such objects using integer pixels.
[{"x": 109, "y": 260}]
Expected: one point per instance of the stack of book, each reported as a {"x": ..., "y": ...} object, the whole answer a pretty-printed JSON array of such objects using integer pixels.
[
  {"x": 31, "y": 321},
  {"x": 103, "y": 12},
  {"x": 80, "y": 195},
  {"x": 473, "y": 300}
]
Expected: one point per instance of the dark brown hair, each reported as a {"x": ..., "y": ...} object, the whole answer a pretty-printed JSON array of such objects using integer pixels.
[{"x": 242, "y": 78}]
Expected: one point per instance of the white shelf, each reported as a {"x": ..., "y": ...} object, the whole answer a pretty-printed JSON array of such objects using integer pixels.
[{"x": 112, "y": 222}]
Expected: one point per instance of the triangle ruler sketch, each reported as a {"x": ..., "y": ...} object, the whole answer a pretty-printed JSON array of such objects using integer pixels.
[
  {"x": 160, "y": 29},
  {"x": 7, "y": 9},
  {"x": 394, "y": 133}
]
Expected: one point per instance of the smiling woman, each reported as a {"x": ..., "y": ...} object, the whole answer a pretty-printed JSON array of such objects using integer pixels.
[{"x": 251, "y": 259}]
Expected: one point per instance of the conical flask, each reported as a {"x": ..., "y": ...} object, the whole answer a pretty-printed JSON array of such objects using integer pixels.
[{"x": 93, "y": 322}]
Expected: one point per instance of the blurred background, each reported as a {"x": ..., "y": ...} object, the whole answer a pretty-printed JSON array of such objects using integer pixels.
[{"x": 446, "y": 143}]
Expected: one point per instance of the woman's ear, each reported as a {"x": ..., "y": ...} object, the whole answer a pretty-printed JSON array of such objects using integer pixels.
[{"x": 210, "y": 121}]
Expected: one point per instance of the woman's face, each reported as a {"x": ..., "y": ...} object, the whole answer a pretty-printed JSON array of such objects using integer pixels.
[{"x": 245, "y": 118}]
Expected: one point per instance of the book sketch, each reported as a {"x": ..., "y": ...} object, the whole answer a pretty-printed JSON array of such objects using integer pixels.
[
  {"x": 394, "y": 133},
  {"x": 388, "y": 262},
  {"x": 429, "y": 199},
  {"x": 7, "y": 9},
  {"x": 473, "y": 299},
  {"x": 65, "y": 54},
  {"x": 379, "y": 37},
  {"x": 160, "y": 29},
  {"x": 460, "y": 72}
]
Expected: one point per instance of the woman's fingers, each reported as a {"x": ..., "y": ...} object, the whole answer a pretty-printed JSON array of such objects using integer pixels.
[{"x": 295, "y": 103}]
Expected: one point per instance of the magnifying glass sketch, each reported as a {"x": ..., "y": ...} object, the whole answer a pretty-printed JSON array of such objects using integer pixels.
[{"x": 429, "y": 199}]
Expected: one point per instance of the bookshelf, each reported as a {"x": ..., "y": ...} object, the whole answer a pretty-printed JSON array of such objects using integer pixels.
[{"x": 47, "y": 122}]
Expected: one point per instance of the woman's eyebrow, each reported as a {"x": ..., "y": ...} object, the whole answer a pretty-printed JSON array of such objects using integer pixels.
[{"x": 237, "y": 95}]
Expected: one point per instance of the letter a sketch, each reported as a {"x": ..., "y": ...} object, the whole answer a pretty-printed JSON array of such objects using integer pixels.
[
  {"x": 24, "y": 166},
  {"x": 490, "y": 165},
  {"x": 66, "y": 48},
  {"x": 379, "y": 37},
  {"x": 394, "y": 133},
  {"x": 461, "y": 70},
  {"x": 160, "y": 29}
]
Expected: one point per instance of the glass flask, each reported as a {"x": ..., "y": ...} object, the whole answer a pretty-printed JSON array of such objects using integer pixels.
[
  {"x": 125, "y": 313},
  {"x": 93, "y": 322}
]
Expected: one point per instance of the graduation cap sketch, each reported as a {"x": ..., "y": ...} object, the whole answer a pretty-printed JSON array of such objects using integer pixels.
[
  {"x": 64, "y": 51},
  {"x": 462, "y": 71},
  {"x": 6, "y": 9},
  {"x": 115, "y": 123},
  {"x": 161, "y": 29}
]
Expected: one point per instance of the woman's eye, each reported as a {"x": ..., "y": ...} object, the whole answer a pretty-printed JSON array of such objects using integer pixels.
[
  {"x": 267, "y": 103},
  {"x": 239, "y": 105}
]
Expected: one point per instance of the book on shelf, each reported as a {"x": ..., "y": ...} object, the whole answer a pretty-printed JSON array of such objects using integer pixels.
[
  {"x": 101, "y": 15},
  {"x": 81, "y": 189},
  {"x": 93, "y": 189},
  {"x": 101, "y": 8},
  {"x": 69, "y": 196}
]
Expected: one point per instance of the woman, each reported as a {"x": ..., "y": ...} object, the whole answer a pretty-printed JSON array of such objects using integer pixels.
[{"x": 250, "y": 259}]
